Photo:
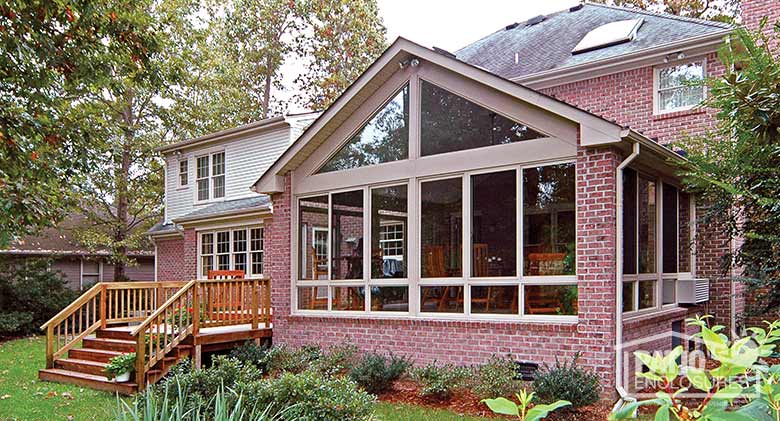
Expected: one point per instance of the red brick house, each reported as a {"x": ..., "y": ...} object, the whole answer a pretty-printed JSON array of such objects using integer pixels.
[{"x": 518, "y": 196}]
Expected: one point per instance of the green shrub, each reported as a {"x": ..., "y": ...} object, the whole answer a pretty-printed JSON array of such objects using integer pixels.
[
  {"x": 567, "y": 381},
  {"x": 337, "y": 359},
  {"x": 282, "y": 359},
  {"x": 309, "y": 396},
  {"x": 439, "y": 381},
  {"x": 376, "y": 373},
  {"x": 495, "y": 378},
  {"x": 251, "y": 353},
  {"x": 30, "y": 295}
]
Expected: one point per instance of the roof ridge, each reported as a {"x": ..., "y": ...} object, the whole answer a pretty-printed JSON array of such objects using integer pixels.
[{"x": 663, "y": 15}]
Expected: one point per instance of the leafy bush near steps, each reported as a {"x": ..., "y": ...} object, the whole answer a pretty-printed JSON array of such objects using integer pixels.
[
  {"x": 567, "y": 381},
  {"x": 251, "y": 353},
  {"x": 283, "y": 359},
  {"x": 439, "y": 381},
  {"x": 497, "y": 377},
  {"x": 310, "y": 396},
  {"x": 30, "y": 294},
  {"x": 376, "y": 373},
  {"x": 337, "y": 360},
  {"x": 307, "y": 395}
]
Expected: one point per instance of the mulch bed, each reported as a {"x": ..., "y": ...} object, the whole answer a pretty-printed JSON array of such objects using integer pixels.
[{"x": 464, "y": 402}]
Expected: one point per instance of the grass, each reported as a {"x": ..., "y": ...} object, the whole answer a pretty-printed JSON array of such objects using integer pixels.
[{"x": 24, "y": 397}]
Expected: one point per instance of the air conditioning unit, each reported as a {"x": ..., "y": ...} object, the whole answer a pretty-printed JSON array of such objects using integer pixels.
[{"x": 693, "y": 291}]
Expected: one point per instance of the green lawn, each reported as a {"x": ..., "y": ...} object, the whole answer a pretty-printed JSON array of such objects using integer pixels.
[{"x": 23, "y": 397}]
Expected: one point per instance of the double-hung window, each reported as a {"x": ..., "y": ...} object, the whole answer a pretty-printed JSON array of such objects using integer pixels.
[
  {"x": 231, "y": 249},
  {"x": 210, "y": 176},
  {"x": 183, "y": 172},
  {"x": 679, "y": 87}
]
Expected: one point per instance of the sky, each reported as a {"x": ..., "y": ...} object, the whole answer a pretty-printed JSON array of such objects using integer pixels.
[
  {"x": 454, "y": 24},
  {"x": 450, "y": 25}
]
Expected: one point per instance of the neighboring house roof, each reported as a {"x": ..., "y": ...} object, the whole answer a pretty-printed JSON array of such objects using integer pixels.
[
  {"x": 228, "y": 208},
  {"x": 545, "y": 43},
  {"x": 594, "y": 130},
  {"x": 61, "y": 240},
  {"x": 233, "y": 132}
]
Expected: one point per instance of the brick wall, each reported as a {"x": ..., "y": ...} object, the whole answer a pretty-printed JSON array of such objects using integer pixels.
[
  {"x": 471, "y": 342},
  {"x": 755, "y": 10},
  {"x": 176, "y": 258}
]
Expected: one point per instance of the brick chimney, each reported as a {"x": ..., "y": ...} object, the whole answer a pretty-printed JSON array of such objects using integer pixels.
[{"x": 755, "y": 10}]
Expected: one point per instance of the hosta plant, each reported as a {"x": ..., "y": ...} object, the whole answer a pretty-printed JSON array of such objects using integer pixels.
[
  {"x": 523, "y": 411},
  {"x": 738, "y": 375}
]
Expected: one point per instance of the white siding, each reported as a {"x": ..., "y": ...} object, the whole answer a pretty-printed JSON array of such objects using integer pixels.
[
  {"x": 299, "y": 123},
  {"x": 245, "y": 161}
]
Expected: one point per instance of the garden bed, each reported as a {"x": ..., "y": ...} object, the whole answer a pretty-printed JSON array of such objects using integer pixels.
[{"x": 464, "y": 402}]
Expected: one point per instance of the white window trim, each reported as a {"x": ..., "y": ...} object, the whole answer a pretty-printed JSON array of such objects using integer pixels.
[
  {"x": 656, "y": 86},
  {"x": 179, "y": 173},
  {"x": 248, "y": 252},
  {"x": 210, "y": 177},
  {"x": 414, "y": 265},
  {"x": 82, "y": 273}
]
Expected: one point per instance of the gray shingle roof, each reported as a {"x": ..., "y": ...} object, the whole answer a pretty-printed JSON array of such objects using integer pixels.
[
  {"x": 229, "y": 206},
  {"x": 547, "y": 45}
]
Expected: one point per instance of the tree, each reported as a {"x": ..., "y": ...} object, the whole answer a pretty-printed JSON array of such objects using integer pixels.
[
  {"x": 734, "y": 168},
  {"x": 343, "y": 38},
  {"x": 716, "y": 10},
  {"x": 123, "y": 195},
  {"x": 54, "y": 54}
]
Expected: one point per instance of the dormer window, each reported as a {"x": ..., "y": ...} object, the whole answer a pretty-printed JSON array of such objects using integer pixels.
[{"x": 612, "y": 33}]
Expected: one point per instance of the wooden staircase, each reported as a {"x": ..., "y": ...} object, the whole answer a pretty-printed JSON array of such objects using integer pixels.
[{"x": 155, "y": 320}]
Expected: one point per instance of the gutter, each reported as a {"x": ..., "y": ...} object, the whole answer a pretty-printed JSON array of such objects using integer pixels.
[{"x": 624, "y": 397}]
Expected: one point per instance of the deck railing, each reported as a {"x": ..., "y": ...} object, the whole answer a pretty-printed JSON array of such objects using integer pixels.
[{"x": 168, "y": 312}]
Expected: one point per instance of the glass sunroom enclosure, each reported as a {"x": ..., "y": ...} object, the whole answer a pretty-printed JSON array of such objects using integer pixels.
[{"x": 439, "y": 198}]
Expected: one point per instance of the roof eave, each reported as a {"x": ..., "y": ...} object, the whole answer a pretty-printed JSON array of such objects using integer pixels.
[
  {"x": 619, "y": 63},
  {"x": 258, "y": 126}
]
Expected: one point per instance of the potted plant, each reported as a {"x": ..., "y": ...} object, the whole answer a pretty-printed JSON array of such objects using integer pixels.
[{"x": 120, "y": 367}]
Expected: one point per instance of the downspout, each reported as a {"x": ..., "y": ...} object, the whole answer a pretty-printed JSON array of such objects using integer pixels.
[{"x": 618, "y": 275}]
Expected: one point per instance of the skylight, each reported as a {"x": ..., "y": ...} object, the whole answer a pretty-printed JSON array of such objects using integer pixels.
[{"x": 608, "y": 34}]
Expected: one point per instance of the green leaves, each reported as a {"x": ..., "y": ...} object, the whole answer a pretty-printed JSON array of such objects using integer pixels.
[{"x": 504, "y": 406}]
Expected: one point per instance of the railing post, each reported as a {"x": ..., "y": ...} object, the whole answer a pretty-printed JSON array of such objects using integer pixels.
[
  {"x": 267, "y": 305},
  {"x": 140, "y": 361},
  {"x": 255, "y": 304},
  {"x": 103, "y": 297},
  {"x": 160, "y": 300},
  {"x": 49, "y": 346},
  {"x": 196, "y": 309}
]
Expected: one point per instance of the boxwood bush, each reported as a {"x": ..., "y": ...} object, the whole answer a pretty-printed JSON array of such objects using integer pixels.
[
  {"x": 376, "y": 373},
  {"x": 439, "y": 381},
  {"x": 567, "y": 381}
]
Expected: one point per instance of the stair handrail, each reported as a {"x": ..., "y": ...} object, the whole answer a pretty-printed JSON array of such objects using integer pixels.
[
  {"x": 139, "y": 333},
  {"x": 75, "y": 305},
  {"x": 161, "y": 309}
]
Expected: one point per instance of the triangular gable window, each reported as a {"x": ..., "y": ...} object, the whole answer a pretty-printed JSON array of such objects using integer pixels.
[
  {"x": 385, "y": 138},
  {"x": 452, "y": 123}
]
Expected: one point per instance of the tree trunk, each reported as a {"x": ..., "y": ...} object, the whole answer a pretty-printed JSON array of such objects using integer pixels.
[{"x": 121, "y": 198}]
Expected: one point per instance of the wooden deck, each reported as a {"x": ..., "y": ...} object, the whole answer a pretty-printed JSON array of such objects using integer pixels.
[{"x": 156, "y": 320}]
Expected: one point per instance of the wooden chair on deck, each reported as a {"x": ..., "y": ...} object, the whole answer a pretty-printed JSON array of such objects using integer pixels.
[
  {"x": 480, "y": 269},
  {"x": 220, "y": 298}
]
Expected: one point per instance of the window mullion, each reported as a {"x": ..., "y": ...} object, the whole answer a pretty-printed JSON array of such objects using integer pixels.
[
  {"x": 466, "y": 249},
  {"x": 367, "y": 241}
]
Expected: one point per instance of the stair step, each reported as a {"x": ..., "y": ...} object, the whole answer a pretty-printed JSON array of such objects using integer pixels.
[
  {"x": 86, "y": 380},
  {"x": 114, "y": 333},
  {"x": 119, "y": 345},
  {"x": 81, "y": 366},
  {"x": 89, "y": 354}
]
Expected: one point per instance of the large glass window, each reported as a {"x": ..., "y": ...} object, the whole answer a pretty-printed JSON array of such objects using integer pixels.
[
  {"x": 647, "y": 233},
  {"x": 669, "y": 216},
  {"x": 453, "y": 123},
  {"x": 494, "y": 224},
  {"x": 440, "y": 226},
  {"x": 389, "y": 221},
  {"x": 347, "y": 240},
  {"x": 385, "y": 138},
  {"x": 549, "y": 241},
  {"x": 231, "y": 249},
  {"x": 313, "y": 232}
]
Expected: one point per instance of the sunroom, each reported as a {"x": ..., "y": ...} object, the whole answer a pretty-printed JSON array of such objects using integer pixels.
[{"x": 434, "y": 190}]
